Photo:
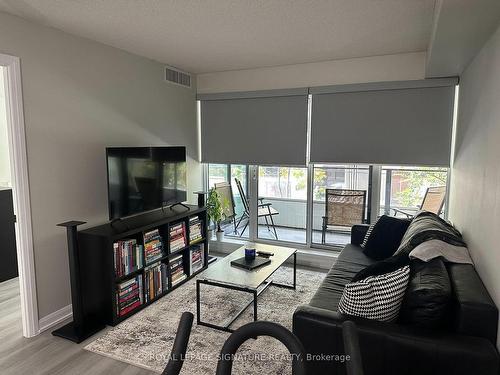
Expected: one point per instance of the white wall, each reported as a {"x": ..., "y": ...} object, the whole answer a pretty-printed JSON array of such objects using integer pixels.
[
  {"x": 475, "y": 183},
  {"x": 79, "y": 97},
  {"x": 408, "y": 66},
  {"x": 4, "y": 144}
]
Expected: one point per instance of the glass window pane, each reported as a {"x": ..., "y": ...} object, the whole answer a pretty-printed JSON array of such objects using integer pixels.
[
  {"x": 282, "y": 203},
  {"x": 403, "y": 188},
  {"x": 216, "y": 173},
  {"x": 347, "y": 177},
  {"x": 239, "y": 172}
]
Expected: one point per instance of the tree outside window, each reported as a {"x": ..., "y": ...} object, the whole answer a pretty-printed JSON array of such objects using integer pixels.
[{"x": 409, "y": 184}]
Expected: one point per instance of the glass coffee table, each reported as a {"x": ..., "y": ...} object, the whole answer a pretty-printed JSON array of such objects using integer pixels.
[{"x": 222, "y": 274}]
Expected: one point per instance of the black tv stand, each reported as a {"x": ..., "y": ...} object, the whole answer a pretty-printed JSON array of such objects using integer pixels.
[
  {"x": 94, "y": 281},
  {"x": 179, "y": 204}
]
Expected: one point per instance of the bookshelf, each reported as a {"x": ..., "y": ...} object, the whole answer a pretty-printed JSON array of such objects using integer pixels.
[{"x": 128, "y": 264}]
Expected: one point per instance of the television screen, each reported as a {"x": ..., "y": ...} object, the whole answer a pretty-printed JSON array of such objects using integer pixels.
[{"x": 144, "y": 178}]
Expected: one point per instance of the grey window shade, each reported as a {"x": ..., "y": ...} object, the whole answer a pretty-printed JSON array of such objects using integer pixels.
[
  {"x": 254, "y": 130},
  {"x": 399, "y": 126}
]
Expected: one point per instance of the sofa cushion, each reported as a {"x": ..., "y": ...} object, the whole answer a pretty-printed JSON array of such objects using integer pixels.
[
  {"x": 474, "y": 312},
  {"x": 376, "y": 297},
  {"x": 427, "y": 298},
  {"x": 385, "y": 237},
  {"x": 427, "y": 226},
  {"x": 349, "y": 262},
  {"x": 383, "y": 266},
  {"x": 358, "y": 233}
]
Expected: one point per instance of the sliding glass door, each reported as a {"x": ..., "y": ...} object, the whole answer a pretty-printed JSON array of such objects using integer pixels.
[
  {"x": 287, "y": 205},
  {"x": 344, "y": 179},
  {"x": 282, "y": 204},
  {"x": 236, "y": 226}
]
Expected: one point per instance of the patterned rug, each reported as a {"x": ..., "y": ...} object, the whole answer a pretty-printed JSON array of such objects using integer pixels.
[{"x": 145, "y": 339}]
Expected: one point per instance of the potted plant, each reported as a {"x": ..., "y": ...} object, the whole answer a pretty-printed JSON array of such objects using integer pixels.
[{"x": 215, "y": 212}]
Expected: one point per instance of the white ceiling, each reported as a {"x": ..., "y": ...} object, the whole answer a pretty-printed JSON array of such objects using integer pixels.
[{"x": 217, "y": 35}]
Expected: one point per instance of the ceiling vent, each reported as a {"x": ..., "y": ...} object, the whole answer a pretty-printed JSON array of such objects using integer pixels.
[{"x": 177, "y": 77}]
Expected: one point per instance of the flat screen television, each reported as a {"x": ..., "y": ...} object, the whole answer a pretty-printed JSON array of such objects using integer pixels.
[{"x": 144, "y": 178}]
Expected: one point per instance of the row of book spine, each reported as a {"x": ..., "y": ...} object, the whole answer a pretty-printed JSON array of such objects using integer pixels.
[
  {"x": 155, "y": 281},
  {"x": 128, "y": 257},
  {"x": 153, "y": 246},
  {"x": 129, "y": 295},
  {"x": 177, "y": 273},
  {"x": 140, "y": 289},
  {"x": 177, "y": 236},
  {"x": 197, "y": 258},
  {"x": 195, "y": 229}
]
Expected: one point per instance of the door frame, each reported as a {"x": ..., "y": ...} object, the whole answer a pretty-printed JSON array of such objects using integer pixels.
[{"x": 21, "y": 193}]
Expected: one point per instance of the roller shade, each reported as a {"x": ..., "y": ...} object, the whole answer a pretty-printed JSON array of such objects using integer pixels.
[
  {"x": 254, "y": 128},
  {"x": 394, "y": 124}
]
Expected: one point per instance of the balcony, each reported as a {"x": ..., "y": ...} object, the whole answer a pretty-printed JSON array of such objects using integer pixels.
[{"x": 291, "y": 224}]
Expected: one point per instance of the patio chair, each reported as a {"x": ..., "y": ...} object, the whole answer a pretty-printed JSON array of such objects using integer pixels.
[
  {"x": 344, "y": 208},
  {"x": 264, "y": 210},
  {"x": 433, "y": 201},
  {"x": 225, "y": 193}
]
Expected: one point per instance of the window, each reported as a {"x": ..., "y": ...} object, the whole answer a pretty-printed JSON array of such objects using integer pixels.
[
  {"x": 218, "y": 173},
  {"x": 283, "y": 203},
  {"x": 283, "y": 194},
  {"x": 283, "y": 182},
  {"x": 330, "y": 176},
  {"x": 239, "y": 172},
  {"x": 403, "y": 188}
]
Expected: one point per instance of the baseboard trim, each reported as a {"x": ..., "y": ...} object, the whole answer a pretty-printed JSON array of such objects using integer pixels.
[{"x": 55, "y": 318}]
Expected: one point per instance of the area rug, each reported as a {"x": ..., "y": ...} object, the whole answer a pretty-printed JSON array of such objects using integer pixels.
[{"x": 145, "y": 339}]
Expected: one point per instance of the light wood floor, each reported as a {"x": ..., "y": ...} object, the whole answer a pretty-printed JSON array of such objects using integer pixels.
[{"x": 45, "y": 354}]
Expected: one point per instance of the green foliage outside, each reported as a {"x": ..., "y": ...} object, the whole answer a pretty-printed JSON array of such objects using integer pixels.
[
  {"x": 415, "y": 182},
  {"x": 319, "y": 184}
]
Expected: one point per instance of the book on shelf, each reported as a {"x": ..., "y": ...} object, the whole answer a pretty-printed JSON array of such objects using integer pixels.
[
  {"x": 196, "y": 258},
  {"x": 155, "y": 281},
  {"x": 153, "y": 246},
  {"x": 128, "y": 257},
  {"x": 129, "y": 295},
  {"x": 176, "y": 265},
  {"x": 177, "y": 236},
  {"x": 195, "y": 229}
]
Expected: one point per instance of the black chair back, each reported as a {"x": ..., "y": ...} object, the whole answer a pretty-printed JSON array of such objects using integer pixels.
[
  {"x": 179, "y": 349},
  {"x": 354, "y": 366},
  {"x": 246, "y": 205},
  {"x": 262, "y": 328}
]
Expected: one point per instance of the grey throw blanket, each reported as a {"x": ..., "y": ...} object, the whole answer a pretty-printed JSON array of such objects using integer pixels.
[{"x": 427, "y": 226}]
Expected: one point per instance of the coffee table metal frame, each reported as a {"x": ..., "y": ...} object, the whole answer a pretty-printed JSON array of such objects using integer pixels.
[{"x": 255, "y": 292}]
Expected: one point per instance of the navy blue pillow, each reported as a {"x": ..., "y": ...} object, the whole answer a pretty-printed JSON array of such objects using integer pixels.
[{"x": 385, "y": 237}]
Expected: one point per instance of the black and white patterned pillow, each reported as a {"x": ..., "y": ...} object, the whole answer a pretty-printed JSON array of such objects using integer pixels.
[
  {"x": 376, "y": 297},
  {"x": 368, "y": 232}
]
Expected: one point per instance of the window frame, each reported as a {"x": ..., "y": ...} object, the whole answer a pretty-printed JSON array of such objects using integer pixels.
[{"x": 373, "y": 202}]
